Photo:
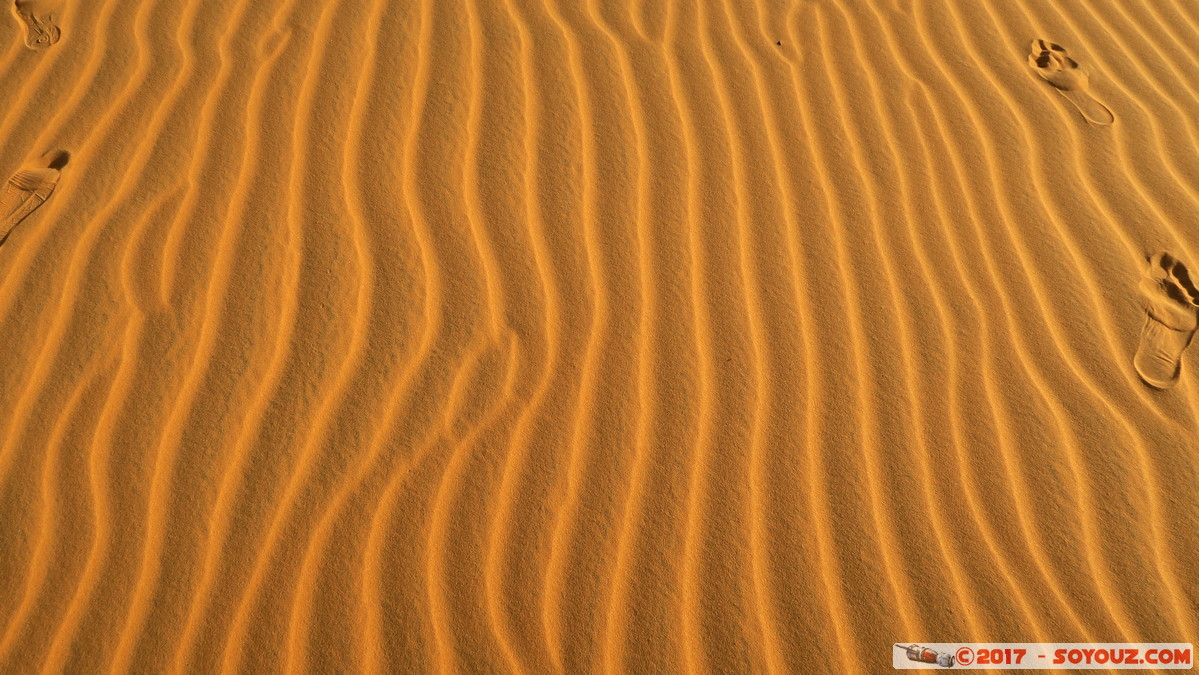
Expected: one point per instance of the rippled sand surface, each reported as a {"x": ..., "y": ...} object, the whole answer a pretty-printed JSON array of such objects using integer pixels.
[{"x": 577, "y": 336}]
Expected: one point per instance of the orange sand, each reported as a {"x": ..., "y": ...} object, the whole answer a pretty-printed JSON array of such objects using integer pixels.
[{"x": 576, "y": 336}]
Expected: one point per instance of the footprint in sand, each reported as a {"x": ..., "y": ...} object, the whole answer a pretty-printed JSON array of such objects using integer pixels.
[
  {"x": 38, "y": 16},
  {"x": 1057, "y": 68},
  {"x": 29, "y": 188},
  {"x": 1171, "y": 315}
]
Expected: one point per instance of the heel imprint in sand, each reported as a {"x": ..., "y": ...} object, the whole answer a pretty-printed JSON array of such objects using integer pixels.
[
  {"x": 1171, "y": 315},
  {"x": 29, "y": 188},
  {"x": 38, "y": 18},
  {"x": 1055, "y": 66}
]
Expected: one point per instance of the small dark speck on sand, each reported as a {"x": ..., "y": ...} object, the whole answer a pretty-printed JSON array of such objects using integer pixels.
[{"x": 779, "y": 44}]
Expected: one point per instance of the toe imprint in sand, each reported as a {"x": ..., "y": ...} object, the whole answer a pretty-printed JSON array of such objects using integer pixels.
[
  {"x": 1055, "y": 66},
  {"x": 28, "y": 189},
  {"x": 1171, "y": 315},
  {"x": 38, "y": 16}
]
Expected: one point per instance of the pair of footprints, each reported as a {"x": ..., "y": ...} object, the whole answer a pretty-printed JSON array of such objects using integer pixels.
[
  {"x": 1055, "y": 66},
  {"x": 37, "y": 16},
  {"x": 32, "y": 185},
  {"x": 29, "y": 188},
  {"x": 1171, "y": 317}
]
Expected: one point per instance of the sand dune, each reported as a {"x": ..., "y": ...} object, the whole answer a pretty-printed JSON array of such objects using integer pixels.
[{"x": 551, "y": 336}]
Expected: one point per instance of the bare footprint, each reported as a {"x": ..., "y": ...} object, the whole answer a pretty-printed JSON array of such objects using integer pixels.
[
  {"x": 29, "y": 188},
  {"x": 1055, "y": 66},
  {"x": 41, "y": 31},
  {"x": 1171, "y": 316}
]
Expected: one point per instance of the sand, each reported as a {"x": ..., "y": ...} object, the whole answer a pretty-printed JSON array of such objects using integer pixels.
[{"x": 551, "y": 336}]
